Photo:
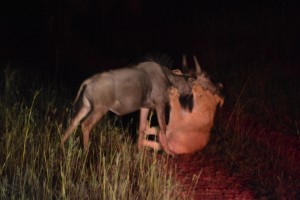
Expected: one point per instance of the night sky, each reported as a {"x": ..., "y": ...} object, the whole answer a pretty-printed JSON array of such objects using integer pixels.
[{"x": 94, "y": 35}]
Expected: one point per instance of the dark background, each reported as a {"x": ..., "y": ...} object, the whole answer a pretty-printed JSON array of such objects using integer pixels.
[{"x": 75, "y": 38}]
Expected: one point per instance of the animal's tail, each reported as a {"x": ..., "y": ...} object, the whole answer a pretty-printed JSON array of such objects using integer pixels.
[
  {"x": 78, "y": 100},
  {"x": 81, "y": 90},
  {"x": 79, "y": 93}
]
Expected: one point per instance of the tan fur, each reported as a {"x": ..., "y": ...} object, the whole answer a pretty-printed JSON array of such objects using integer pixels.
[{"x": 188, "y": 132}]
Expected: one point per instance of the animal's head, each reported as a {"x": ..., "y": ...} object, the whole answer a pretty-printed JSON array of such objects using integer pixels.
[
  {"x": 207, "y": 97},
  {"x": 200, "y": 77}
]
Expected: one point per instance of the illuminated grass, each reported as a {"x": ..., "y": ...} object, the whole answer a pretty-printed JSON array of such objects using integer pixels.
[{"x": 33, "y": 166}]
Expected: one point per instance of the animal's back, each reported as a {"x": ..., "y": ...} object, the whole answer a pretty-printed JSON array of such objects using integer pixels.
[
  {"x": 159, "y": 80},
  {"x": 126, "y": 90},
  {"x": 132, "y": 89}
]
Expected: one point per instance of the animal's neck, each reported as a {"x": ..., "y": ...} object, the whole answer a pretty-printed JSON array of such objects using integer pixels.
[{"x": 178, "y": 81}]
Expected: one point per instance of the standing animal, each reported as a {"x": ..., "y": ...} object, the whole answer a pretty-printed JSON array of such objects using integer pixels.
[{"x": 122, "y": 91}]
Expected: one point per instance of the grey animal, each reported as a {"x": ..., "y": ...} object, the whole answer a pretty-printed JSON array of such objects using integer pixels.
[{"x": 122, "y": 91}]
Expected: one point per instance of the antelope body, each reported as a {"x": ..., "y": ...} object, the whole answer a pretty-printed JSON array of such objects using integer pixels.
[{"x": 122, "y": 91}]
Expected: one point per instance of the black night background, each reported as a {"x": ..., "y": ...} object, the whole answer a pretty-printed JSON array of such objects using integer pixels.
[
  {"x": 252, "y": 47},
  {"x": 90, "y": 36}
]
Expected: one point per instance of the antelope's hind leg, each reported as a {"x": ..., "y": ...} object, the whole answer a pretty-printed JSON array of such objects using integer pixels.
[
  {"x": 74, "y": 123},
  {"x": 88, "y": 123}
]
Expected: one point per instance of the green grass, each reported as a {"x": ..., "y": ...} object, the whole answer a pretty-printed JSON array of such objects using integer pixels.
[{"x": 33, "y": 166}]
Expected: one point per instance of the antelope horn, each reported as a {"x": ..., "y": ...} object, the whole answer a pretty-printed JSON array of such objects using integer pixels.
[
  {"x": 184, "y": 62},
  {"x": 185, "y": 67},
  {"x": 198, "y": 68}
]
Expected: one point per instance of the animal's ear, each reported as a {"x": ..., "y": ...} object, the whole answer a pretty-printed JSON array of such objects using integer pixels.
[
  {"x": 220, "y": 100},
  {"x": 177, "y": 72},
  {"x": 197, "y": 65},
  {"x": 219, "y": 88}
]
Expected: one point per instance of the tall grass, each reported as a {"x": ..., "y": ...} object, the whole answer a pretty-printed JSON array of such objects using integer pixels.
[{"x": 33, "y": 166}]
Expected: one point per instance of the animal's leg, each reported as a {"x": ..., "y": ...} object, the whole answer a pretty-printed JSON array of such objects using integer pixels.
[
  {"x": 162, "y": 137},
  {"x": 160, "y": 112},
  {"x": 143, "y": 125},
  {"x": 88, "y": 124},
  {"x": 197, "y": 91},
  {"x": 74, "y": 123},
  {"x": 175, "y": 112}
]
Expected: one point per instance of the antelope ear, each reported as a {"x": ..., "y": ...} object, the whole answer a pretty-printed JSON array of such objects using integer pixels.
[
  {"x": 184, "y": 62},
  {"x": 177, "y": 72},
  {"x": 197, "y": 65}
]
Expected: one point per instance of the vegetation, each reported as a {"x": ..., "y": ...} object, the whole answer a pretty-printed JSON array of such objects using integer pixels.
[{"x": 33, "y": 166}]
